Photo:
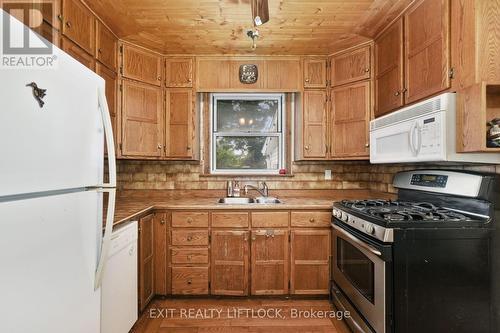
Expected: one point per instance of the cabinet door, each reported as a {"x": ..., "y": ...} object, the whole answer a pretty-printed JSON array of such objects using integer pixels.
[
  {"x": 160, "y": 253},
  {"x": 178, "y": 72},
  {"x": 79, "y": 24},
  {"x": 351, "y": 116},
  {"x": 179, "y": 123},
  {"x": 351, "y": 66},
  {"x": 212, "y": 74},
  {"x": 78, "y": 53},
  {"x": 426, "y": 49},
  {"x": 389, "y": 69},
  {"x": 269, "y": 262},
  {"x": 315, "y": 73},
  {"x": 141, "y": 120},
  {"x": 141, "y": 65},
  {"x": 146, "y": 261},
  {"x": 229, "y": 263},
  {"x": 110, "y": 78},
  {"x": 314, "y": 124},
  {"x": 107, "y": 46},
  {"x": 310, "y": 264}
]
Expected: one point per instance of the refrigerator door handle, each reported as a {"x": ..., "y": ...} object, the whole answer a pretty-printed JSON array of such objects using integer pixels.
[
  {"x": 106, "y": 239},
  {"x": 108, "y": 132}
]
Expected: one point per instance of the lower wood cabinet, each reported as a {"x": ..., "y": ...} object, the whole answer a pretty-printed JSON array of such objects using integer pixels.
[
  {"x": 310, "y": 261},
  {"x": 190, "y": 280},
  {"x": 230, "y": 253},
  {"x": 269, "y": 262},
  {"x": 146, "y": 261},
  {"x": 160, "y": 252}
]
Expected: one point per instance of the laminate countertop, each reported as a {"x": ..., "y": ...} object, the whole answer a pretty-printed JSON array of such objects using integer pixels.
[{"x": 130, "y": 207}]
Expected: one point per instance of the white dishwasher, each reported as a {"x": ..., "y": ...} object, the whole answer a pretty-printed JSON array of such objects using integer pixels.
[{"x": 119, "y": 285}]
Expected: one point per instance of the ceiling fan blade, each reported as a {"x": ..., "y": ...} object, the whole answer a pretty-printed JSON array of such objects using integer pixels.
[{"x": 260, "y": 11}]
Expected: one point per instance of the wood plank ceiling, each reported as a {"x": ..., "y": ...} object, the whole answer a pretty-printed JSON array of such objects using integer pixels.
[{"x": 295, "y": 27}]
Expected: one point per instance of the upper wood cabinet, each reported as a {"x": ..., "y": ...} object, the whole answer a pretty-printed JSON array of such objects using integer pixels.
[
  {"x": 389, "y": 85},
  {"x": 351, "y": 113},
  {"x": 274, "y": 74},
  {"x": 179, "y": 123},
  {"x": 475, "y": 42},
  {"x": 106, "y": 46},
  {"x": 427, "y": 52},
  {"x": 283, "y": 75},
  {"x": 111, "y": 81},
  {"x": 140, "y": 64},
  {"x": 351, "y": 66},
  {"x": 179, "y": 72},
  {"x": 269, "y": 262},
  {"x": 315, "y": 72},
  {"x": 142, "y": 129},
  {"x": 310, "y": 264},
  {"x": 79, "y": 24},
  {"x": 230, "y": 263},
  {"x": 314, "y": 131},
  {"x": 78, "y": 53},
  {"x": 146, "y": 261}
]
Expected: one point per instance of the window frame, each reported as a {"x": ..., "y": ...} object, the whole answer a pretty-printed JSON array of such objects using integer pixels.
[{"x": 280, "y": 133}]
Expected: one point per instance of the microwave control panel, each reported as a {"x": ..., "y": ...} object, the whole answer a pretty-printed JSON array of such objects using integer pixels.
[{"x": 429, "y": 180}]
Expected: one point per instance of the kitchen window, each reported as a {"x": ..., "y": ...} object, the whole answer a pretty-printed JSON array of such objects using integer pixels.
[{"x": 247, "y": 133}]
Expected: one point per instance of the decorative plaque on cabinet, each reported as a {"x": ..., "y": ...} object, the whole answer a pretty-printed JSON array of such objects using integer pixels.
[{"x": 249, "y": 74}]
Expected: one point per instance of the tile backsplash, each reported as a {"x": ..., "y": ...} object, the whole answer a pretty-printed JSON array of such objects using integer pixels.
[{"x": 172, "y": 175}]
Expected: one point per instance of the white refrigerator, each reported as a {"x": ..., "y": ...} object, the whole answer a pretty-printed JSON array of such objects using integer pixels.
[{"x": 52, "y": 244}]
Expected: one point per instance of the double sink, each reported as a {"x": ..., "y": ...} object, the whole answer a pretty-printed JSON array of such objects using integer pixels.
[{"x": 248, "y": 201}]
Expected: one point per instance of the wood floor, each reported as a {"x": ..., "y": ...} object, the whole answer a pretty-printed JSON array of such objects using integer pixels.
[{"x": 237, "y": 316}]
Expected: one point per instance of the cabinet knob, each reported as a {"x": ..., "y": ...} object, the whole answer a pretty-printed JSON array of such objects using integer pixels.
[
  {"x": 99, "y": 50},
  {"x": 272, "y": 236},
  {"x": 253, "y": 238},
  {"x": 367, "y": 145},
  {"x": 404, "y": 90},
  {"x": 189, "y": 281},
  {"x": 188, "y": 148},
  {"x": 367, "y": 70},
  {"x": 159, "y": 146},
  {"x": 397, "y": 93},
  {"x": 189, "y": 238},
  {"x": 189, "y": 220},
  {"x": 59, "y": 17},
  {"x": 159, "y": 78},
  {"x": 68, "y": 24},
  {"x": 162, "y": 222},
  {"x": 189, "y": 80},
  {"x": 307, "y": 147},
  {"x": 189, "y": 257},
  {"x": 311, "y": 219},
  {"x": 307, "y": 80}
]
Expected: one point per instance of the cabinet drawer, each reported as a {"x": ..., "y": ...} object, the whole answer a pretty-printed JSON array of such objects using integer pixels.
[
  {"x": 230, "y": 220},
  {"x": 188, "y": 237},
  {"x": 189, "y": 256},
  {"x": 189, "y": 280},
  {"x": 270, "y": 219},
  {"x": 190, "y": 219},
  {"x": 311, "y": 219}
]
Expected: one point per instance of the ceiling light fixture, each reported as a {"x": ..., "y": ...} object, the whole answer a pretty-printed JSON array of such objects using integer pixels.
[
  {"x": 260, "y": 12},
  {"x": 253, "y": 34}
]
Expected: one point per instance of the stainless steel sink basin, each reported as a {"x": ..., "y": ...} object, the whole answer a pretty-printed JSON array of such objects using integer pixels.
[{"x": 247, "y": 201}]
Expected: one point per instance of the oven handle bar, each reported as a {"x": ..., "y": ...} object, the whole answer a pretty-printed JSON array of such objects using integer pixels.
[{"x": 357, "y": 241}]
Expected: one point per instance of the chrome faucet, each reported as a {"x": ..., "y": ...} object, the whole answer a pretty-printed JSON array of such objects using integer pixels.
[{"x": 262, "y": 189}]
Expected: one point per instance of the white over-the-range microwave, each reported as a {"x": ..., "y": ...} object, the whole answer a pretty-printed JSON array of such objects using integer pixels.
[{"x": 423, "y": 132}]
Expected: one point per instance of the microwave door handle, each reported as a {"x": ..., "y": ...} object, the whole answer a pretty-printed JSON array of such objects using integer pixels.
[
  {"x": 410, "y": 137},
  {"x": 418, "y": 130},
  {"x": 357, "y": 241}
]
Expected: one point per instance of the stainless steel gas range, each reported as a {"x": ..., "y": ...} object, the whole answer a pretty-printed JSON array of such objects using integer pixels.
[{"x": 422, "y": 263}]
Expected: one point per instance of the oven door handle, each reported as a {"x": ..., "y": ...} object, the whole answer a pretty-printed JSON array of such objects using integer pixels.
[{"x": 357, "y": 241}]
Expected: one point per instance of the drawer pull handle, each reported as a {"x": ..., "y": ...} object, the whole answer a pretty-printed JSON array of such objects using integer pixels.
[
  {"x": 189, "y": 281},
  {"x": 189, "y": 220},
  {"x": 311, "y": 219},
  {"x": 367, "y": 70},
  {"x": 189, "y": 238},
  {"x": 162, "y": 222}
]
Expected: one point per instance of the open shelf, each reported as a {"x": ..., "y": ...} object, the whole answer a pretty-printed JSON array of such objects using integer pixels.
[{"x": 476, "y": 106}]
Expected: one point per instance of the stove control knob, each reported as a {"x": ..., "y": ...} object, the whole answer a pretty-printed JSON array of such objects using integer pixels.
[
  {"x": 344, "y": 217},
  {"x": 369, "y": 229}
]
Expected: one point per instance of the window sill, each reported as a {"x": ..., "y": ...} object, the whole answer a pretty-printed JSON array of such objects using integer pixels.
[{"x": 250, "y": 175}]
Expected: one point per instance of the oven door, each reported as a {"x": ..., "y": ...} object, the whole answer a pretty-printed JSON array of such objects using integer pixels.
[{"x": 361, "y": 269}]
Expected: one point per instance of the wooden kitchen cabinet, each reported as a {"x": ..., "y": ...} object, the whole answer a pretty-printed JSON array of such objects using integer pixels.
[
  {"x": 179, "y": 72},
  {"x": 140, "y": 64},
  {"x": 229, "y": 267},
  {"x": 111, "y": 83},
  {"x": 389, "y": 84},
  {"x": 179, "y": 123},
  {"x": 106, "y": 46},
  {"x": 160, "y": 253},
  {"x": 190, "y": 280},
  {"x": 269, "y": 262},
  {"x": 427, "y": 52},
  {"x": 310, "y": 264},
  {"x": 78, "y": 53},
  {"x": 146, "y": 261},
  {"x": 314, "y": 124},
  {"x": 315, "y": 72},
  {"x": 351, "y": 111},
  {"x": 351, "y": 66},
  {"x": 79, "y": 24},
  {"x": 142, "y": 121}
]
